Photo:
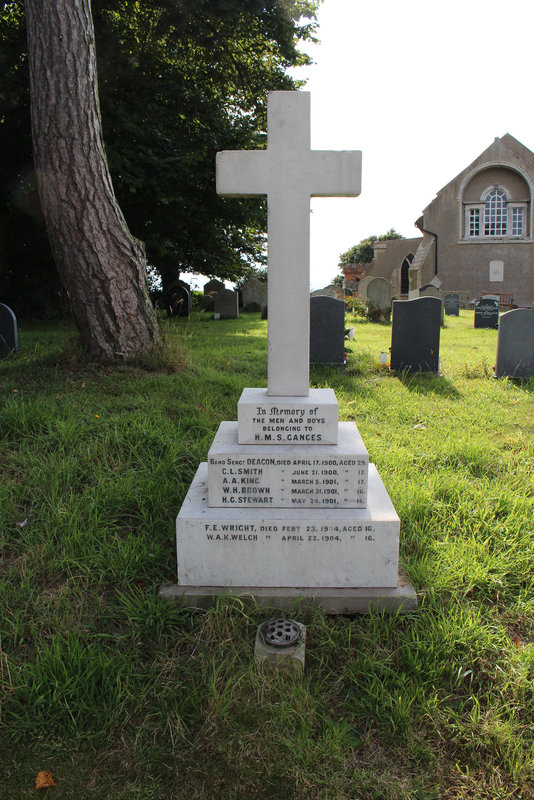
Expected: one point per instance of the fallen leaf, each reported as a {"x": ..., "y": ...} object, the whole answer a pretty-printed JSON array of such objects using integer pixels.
[{"x": 44, "y": 780}]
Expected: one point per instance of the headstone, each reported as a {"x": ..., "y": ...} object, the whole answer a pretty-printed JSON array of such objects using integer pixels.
[
  {"x": 179, "y": 301},
  {"x": 415, "y": 335},
  {"x": 363, "y": 284},
  {"x": 432, "y": 291},
  {"x": 8, "y": 330},
  {"x": 213, "y": 286},
  {"x": 515, "y": 344},
  {"x": 349, "y": 292},
  {"x": 254, "y": 294},
  {"x": 329, "y": 291},
  {"x": 452, "y": 304},
  {"x": 288, "y": 508},
  {"x": 487, "y": 312},
  {"x": 327, "y": 331},
  {"x": 379, "y": 294},
  {"x": 226, "y": 303},
  {"x": 210, "y": 290}
]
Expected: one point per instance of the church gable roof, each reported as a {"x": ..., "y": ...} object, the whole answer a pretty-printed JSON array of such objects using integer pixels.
[{"x": 505, "y": 150}]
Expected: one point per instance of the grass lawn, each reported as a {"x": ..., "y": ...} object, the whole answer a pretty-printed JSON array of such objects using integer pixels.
[{"x": 122, "y": 696}]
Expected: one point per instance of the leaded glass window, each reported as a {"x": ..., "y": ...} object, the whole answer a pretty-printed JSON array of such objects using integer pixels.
[
  {"x": 518, "y": 225},
  {"x": 474, "y": 222},
  {"x": 496, "y": 214}
]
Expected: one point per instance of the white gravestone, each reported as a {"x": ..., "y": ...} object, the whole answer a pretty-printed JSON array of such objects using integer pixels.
[{"x": 288, "y": 506}]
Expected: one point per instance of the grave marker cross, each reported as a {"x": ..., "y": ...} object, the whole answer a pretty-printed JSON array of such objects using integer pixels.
[{"x": 289, "y": 173}]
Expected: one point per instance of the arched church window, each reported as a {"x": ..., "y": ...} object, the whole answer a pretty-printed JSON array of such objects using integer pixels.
[
  {"x": 405, "y": 273},
  {"x": 496, "y": 214}
]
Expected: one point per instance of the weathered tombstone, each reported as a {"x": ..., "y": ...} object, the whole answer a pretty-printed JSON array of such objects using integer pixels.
[
  {"x": 487, "y": 312},
  {"x": 363, "y": 284},
  {"x": 379, "y": 296},
  {"x": 8, "y": 330},
  {"x": 288, "y": 508},
  {"x": 431, "y": 291},
  {"x": 254, "y": 294},
  {"x": 179, "y": 301},
  {"x": 213, "y": 286},
  {"x": 452, "y": 304},
  {"x": 226, "y": 304},
  {"x": 327, "y": 331},
  {"x": 210, "y": 290},
  {"x": 415, "y": 335},
  {"x": 515, "y": 344},
  {"x": 329, "y": 291}
]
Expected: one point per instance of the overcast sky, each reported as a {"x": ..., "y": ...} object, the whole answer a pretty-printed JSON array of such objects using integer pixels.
[{"x": 422, "y": 89}]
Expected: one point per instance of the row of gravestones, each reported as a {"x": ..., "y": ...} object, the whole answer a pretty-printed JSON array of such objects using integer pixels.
[
  {"x": 415, "y": 335},
  {"x": 225, "y": 303},
  {"x": 416, "y": 329},
  {"x": 217, "y": 298}
]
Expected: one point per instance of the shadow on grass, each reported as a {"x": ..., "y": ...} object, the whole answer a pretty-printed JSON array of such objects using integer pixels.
[{"x": 427, "y": 383}]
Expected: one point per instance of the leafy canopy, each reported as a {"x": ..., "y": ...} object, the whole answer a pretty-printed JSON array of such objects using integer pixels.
[
  {"x": 363, "y": 252},
  {"x": 178, "y": 81}
]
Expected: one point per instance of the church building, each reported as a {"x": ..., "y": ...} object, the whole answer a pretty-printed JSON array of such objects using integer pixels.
[{"x": 477, "y": 233}]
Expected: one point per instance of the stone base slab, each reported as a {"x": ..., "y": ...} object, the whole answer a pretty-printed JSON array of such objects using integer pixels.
[
  {"x": 331, "y": 547},
  {"x": 269, "y": 419},
  {"x": 295, "y": 476},
  {"x": 399, "y": 599}
]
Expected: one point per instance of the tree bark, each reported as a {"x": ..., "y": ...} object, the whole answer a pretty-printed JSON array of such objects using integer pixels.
[{"x": 102, "y": 266}]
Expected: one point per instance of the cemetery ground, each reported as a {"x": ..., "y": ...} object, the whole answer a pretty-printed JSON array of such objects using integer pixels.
[{"x": 122, "y": 696}]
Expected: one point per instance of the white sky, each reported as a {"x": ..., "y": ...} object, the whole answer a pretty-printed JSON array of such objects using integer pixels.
[{"x": 422, "y": 88}]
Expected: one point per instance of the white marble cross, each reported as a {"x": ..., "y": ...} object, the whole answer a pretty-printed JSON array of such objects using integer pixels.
[{"x": 289, "y": 173}]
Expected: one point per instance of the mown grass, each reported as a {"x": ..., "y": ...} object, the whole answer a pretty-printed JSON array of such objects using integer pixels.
[{"x": 123, "y": 696}]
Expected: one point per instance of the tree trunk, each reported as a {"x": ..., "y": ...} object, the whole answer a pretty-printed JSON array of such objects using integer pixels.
[{"x": 102, "y": 266}]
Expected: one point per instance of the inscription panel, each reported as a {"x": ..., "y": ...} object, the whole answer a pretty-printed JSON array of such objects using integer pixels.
[
  {"x": 287, "y": 547},
  {"x": 304, "y": 476},
  {"x": 264, "y": 419}
]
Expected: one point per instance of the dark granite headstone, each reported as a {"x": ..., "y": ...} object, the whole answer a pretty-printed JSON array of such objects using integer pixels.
[
  {"x": 226, "y": 303},
  {"x": 8, "y": 330},
  {"x": 415, "y": 334},
  {"x": 432, "y": 291},
  {"x": 327, "y": 331},
  {"x": 349, "y": 292},
  {"x": 179, "y": 301},
  {"x": 487, "y": 313},
  {"x": 452, "y": 304},
  {"x": 515, "y": 344}
]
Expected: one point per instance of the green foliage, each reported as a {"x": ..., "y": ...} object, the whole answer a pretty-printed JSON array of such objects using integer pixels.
[
  {"x": 363, "y": 252},
  {"x": 356, "y": 305},
  {"x": 178, "y": 81}
]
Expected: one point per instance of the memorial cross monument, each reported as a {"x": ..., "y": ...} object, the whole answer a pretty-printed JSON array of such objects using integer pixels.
[
  {"x": 287, "y": 506},
  {"x": 288, "y": 172}
]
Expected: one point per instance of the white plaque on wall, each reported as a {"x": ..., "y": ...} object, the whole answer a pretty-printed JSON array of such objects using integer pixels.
[{"x": 496, "y": 270}]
